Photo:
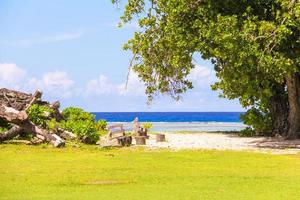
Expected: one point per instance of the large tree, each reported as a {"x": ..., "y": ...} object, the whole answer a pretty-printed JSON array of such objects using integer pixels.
[{"x": 253, "y": 44}]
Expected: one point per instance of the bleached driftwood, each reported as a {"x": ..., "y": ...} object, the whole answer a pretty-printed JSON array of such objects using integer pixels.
[
  {"x": 13, "y": 107},
  {"x": 12, "y": 115},
  {"x": 11, "y": 133}
]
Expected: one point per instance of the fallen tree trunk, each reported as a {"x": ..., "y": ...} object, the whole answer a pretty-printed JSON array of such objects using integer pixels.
[
  {"x": 29, "y": 127},
  {"x": 17, "y": 100},
  {"x": 42, "y": 134},
  {"x": 13, "y": 107},
  {"x": 37, "y": 95},
  {"x": 12, "y": 115},
  {"x": 18, "y": 142},
  {"x": 11, "y": 133}
]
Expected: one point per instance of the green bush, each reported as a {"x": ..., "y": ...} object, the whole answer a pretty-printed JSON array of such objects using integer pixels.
[
  {"x": 39, "y": 114},
  {"x": 53, "y": 125},
  {"x": 260, "y": 122},
  {"x": 77, "y": 114},
  {"x": 82, "y": 124},
  {"x": 84, "y": 129},
  {"x": 75, "y": 120},
  {"x": 101, "y": 125},
  {"x": 247, "y": 132}
]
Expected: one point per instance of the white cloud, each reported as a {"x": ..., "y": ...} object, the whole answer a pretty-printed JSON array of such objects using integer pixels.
[
  {"x": 34, "y": 84},
  {"x": 134, "y": 87},
  {"x": 49, "y": 39},
  {"x": 202, "y": 76},
  {"x": 99, "y": 86},
  {"x": 56, "y": 83},
  {"x": 103, "y": 86},
  {"x": 57, "y": 79},
  {"x": 11, "y": 75}
]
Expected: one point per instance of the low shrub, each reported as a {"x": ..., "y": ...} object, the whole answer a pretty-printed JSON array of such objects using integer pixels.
[
  {"x": 85, "y": 130},
  {"x": 75, "y": 120},
  {"x": 77, "y": 114},
  {"x": 101, "y": 125},
  {"x": 247, "y": 132},
  {"x": 53, "y": 125},
  {"x": 259, "y": 121},
  {"x": 83, "y": 124},
  {"x": 39, "y": 114}
]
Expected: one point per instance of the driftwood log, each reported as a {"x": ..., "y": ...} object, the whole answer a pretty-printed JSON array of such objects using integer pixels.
[
  {"x": 11, "y": 133},
  {"x": 140, "y": 140},
  {"x": 142, "y": 132},
  {"x": 125, "y": 141},
  {"x": 160, "y": 138},
  {"x": 107, "y": 141},
  {"x": 13, "y": 107}
]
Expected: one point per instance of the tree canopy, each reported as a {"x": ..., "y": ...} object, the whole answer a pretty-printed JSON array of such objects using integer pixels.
[{"x": 253, "y": 45}]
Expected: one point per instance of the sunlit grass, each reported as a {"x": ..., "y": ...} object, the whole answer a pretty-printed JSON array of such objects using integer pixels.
[{"x": 42, "y": 172}]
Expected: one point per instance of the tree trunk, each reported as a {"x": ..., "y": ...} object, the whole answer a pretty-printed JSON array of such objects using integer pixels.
[
  {"x": 11, "y": 133},
  {"x": 279, "y": 109},
  {"x": 125, "y": 140},
  {"x": 42, "y": 134},
  {"x": 22, "y": 123},
  {"x": 293, "y": 88},
  {"x": 12, "y": 115},
  {"x": 141, "y": 140},
  {"x": 13, "y": 107},
  {"x": 18, "y": 100},
  {"x": 160, "y": 138}
]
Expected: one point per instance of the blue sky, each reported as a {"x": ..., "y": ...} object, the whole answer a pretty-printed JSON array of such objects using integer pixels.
[{"x": 72, "y": 51}]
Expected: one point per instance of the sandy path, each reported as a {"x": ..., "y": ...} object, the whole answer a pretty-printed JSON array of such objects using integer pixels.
[{"x": 221, "y": 141}]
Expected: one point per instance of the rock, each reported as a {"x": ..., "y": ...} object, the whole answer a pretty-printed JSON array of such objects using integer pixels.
[
  {"x": 86, "y": 140},
  {"x": 56, "y": 141},
  {"x": 67, "y": 135}
]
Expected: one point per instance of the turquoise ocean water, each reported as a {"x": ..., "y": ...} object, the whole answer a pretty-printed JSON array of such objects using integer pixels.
[{"x": 177, "y": 121}]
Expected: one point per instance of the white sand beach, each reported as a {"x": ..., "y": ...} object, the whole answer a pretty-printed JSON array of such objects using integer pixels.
[{"x": 222, "y": 141}]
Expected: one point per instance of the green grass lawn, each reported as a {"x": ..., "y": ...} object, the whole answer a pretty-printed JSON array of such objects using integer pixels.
[{"x": 39, "y": 172}]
